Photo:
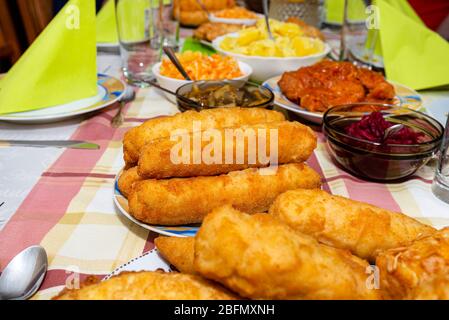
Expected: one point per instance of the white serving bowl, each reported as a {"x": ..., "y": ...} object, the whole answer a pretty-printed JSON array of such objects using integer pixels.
[
  {"x": 246, "y": 22},
  {"x": 267, "y": 67},
  {"x": 173, "y": 84}
]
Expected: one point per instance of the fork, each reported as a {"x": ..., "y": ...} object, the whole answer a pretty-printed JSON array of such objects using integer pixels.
[{"x": 129, "y": 95}]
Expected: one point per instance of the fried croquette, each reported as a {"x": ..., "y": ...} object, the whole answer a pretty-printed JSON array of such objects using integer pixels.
[
  {"x": 147, "y": 285},
  {"x": 177, "y": 251},
  {"x": 163, "y": 127},
  {"x": 343, "y": 223},
  {"x": 259, "y": 257},
  {"x": 127, "y": 180},
  {"x": 435, "y": 288},
  {"x": 403, "y": 270},
  {"x": 227, "y": 150},
  {"x": 188, "y": 200}
]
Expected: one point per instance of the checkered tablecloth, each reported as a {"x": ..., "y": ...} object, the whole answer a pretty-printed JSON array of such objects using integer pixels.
[{"x": 70, "y": 210}]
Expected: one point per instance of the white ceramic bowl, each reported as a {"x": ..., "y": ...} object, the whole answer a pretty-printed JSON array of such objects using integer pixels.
[
  {"x": 246, "y": 22},
  {"x": 267, "y": 67},
  {"x": 173, "y": 84}
]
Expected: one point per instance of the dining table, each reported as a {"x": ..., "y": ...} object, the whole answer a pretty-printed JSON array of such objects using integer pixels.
[{"x": 62, "y": 199}]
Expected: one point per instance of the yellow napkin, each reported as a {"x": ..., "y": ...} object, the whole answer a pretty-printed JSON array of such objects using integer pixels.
[
  {"x": 132, "y": 17},
  {"x": 107, "y": 24},
  {"x": 413, "y": 54},
  {"x": 335, "y": 10},
  {"x": 404, "y": 7},
  {"x": 59, "y": 67}
]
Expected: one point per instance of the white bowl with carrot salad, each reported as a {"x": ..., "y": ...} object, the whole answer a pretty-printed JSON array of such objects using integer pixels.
[{"x": 200, "y": 66}]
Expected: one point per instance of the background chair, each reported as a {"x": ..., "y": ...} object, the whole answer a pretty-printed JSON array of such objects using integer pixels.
[
  {"x": 9, "y": 43},
  {"x": 35, "y": 14}
]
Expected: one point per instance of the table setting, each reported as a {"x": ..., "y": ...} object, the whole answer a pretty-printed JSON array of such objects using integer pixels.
[{"x": 116, "y": 177}]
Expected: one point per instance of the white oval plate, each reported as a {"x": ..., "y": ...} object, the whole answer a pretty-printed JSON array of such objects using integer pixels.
[
  {"x": 405, "y": 97},
  {"x": 148, "y": 261},
  {"x": 107, "y": 45},
  {"x": 174, "y": 231},
  {"x": 110, "y": 90},
  {"x": 358, "y": 50},
  {"x": 246, "y": 22}
]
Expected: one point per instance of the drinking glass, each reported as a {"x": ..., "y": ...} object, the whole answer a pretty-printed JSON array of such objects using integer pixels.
[
  {"x": 140, "y": 45},
  {"x": 310, "y": 11},
  {"x": 358, "y": 33},
  {"x": 440, "y": 185},
  {"x": 167, "y": 27}
]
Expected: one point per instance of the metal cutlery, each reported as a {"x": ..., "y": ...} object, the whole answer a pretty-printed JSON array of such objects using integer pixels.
[
  {"x": 23, "y": 276},
  {"x": 267, "y": 19},
  {"x": 129, "y": 95},
  {"x": 70, "y": 144},
  {"x": 170, "y": 52}
]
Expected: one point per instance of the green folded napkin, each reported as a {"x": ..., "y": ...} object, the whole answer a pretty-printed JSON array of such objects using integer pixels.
[
  {"x": 132, "y": 17},
  {"x": 191, "y": 44},
  {"x": 135, "y": 19},
  {"x": 413, "y": 54},
  {"x": 404, "y": 7},
  {"x": 107, "y": 24},
  {"x": 60, "y": 65},
  {"x": 335, "y": 10}
]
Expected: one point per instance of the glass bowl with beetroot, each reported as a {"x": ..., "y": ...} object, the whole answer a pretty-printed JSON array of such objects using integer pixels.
[{"x": 381, "y": 142}]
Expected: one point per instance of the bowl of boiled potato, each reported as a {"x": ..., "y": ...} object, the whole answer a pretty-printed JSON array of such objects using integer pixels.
[{"x": 289, "y": 51}]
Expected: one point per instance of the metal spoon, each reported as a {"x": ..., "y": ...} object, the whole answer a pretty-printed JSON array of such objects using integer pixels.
[
  {"x": 129, "y": 95},
  {"x": 23, "y": 276},
  {"x": 267, "y": 19},
  {"x": 392, "y": 130},
  {"x": 170, "y": 52},
  {"x": 182, "y": 98}
]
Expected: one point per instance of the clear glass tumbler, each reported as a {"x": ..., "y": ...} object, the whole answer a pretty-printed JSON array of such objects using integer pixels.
[
  {"x": 167, "y": 27},
  {"x": 440, "y": 185},
  {"x": 359, "y": 33},
  {"x": 140, "y": 44},
  {"x": 310, "y": 11}
]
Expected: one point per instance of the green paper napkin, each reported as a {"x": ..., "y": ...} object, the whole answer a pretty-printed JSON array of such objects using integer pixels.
[
  {"x": 59, "y": 67},
  {"x": 107, "y": 24},
  {"x": 413, "y": 54},
  {"x": 135, "y": 18},
  {"x": 404, "y": 7},
  {"x": 191, "y": 44},
  {"x": 132, "y": 17},
  {"x": 335, "y": 11}
]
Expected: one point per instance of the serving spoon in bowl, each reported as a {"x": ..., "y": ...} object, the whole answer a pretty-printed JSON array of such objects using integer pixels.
[
  {"x": 170, "y": 52},
  {"x": 392, "y": 130},
  {"x": 267, "y": 19},
  {"x": 184, "y": 99}
]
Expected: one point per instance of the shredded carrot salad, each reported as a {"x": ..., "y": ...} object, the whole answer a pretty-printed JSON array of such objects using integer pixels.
[{"x": 200, "y": 66}]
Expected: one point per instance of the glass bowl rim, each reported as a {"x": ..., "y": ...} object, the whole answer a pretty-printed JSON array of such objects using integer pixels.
[
  {"x": 379, "y": 144},
  {"x": 227, "y": 81}
]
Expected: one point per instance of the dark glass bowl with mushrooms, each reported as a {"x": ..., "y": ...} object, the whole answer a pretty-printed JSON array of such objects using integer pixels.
[{"x": 224, "y": 93}]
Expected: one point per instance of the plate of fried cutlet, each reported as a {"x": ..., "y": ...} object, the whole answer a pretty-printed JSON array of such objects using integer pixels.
[
  {"x": 309, "y": 245},
  {"x": 172, "y": 197},
  {"x": 311, "y": 91}
]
